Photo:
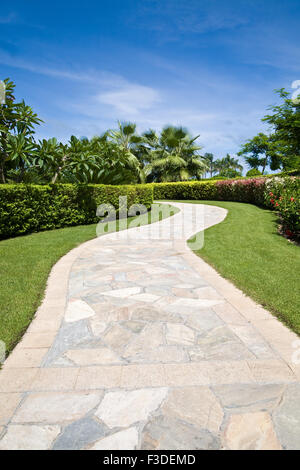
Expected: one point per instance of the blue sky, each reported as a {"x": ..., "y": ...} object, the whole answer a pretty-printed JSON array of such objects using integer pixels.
[{"x": 211, "y": 66}]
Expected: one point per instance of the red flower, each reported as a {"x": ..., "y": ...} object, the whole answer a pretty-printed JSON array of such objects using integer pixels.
[
  {"x": 271, "y": 194},
  {"x": 272, "y": 201},
  {"x": 289, "y": 233},
  {"x": 277, "y": 204},
  {"x": 292, "y": 198}
]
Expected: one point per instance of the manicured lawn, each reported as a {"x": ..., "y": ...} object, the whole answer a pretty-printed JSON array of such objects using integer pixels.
[
  {"x": 246, "y": 249},
  {"x": 25, "y": 263}
]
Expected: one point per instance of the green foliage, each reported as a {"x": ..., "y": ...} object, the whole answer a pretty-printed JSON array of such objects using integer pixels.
[
  {"x": 280, "y": 194},
  {"x": 253, "y": 172},
  {"x": 32, "y": 208},
  {"x": 17, "y": 146},
  {"x": 283, "y": 195},
  {"x": 171, "y": 156},
  {"x": 281, "y": 148}
]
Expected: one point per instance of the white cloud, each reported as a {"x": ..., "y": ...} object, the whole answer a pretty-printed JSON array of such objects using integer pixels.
[{"x": 130, "y": 99}]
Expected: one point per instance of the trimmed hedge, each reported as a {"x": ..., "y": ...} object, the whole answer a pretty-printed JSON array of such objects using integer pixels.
[
  {"x": 33, "y": 208},
  {"x": 279, "y": 193},
  {"x": 243, "y": 190}
]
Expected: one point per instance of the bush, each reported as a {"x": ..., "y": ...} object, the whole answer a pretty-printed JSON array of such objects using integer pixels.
[
  {"x": 253, "y": 172},
  {"x": 277, "y": 193},
  {"x": 185, "y": 190},
  {"x": 283, "y": 195},
  {"x": 32, "y": 208}
]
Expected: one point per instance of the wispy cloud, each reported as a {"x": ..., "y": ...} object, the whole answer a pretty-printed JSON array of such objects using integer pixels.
[{"x": 130, "y": 99}]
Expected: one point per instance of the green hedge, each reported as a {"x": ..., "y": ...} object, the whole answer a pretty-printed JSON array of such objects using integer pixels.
[
  {"x": 206, "y": 190},
  {"x": 32, "y": 208}
]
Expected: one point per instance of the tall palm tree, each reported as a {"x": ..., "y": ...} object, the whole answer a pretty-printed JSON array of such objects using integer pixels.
[
  {"x": 209, "y": 159},
  {"x": 172, "y": 156},
  {"x": 228, "y": 163}
]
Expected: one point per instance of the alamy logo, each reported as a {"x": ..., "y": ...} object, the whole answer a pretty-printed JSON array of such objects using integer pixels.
[{"x": 2, "y": 92}]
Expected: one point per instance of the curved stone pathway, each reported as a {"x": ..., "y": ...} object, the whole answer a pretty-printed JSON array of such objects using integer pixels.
[{"x": 139, "y": 344}]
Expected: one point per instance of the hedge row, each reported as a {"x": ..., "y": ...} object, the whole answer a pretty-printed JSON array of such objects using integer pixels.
[
  {"x": 32, "y": 208},
  {"x": 279, "y": 193},
  {"x": 243, "y": 190}
]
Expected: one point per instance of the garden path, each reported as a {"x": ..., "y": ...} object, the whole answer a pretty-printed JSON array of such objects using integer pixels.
[{"x": 139, "y": 344}]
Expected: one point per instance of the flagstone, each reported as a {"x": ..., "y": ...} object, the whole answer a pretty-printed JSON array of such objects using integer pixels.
[
  {"x": 78, "y": 310},
  {"x": 179, "y": 334},
  {"x": 29, "y": 437},
  {"x": 122, "y": 409},
  {"x": 251, "y": 431},
  {"x": 123, "y": 293},
  {"x": 84, "y": 357},
  {"x": 123, "y": 440},
  {"x": 53, "y": 407}
]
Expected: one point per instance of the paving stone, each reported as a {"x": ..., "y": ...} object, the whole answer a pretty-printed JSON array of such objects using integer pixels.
[
  {"x": 177, "y": 333},
  {"x": 241, "y": 398},
  {"x": 98, "y": 326},
  {"x": 253, "y": 341},
  {"x": 154, "y": 315},
  {"x": 121, "y": 409},
  {"x": 251, "y": 431},
  {"x": 55, "y": 407},
  {"x": 79, "y": 434},
  {"x": 84, "y": 357},
  {"x": 78, "y": 310},
  {"x": 194, "y": 405},
  {"x": 123, "y": 293},
  {"x": 117, "y": 337},
  {"x": 167, "y": 433},
  {"x": 122, "y": 440},
  {"x": 69, "y": 336},
  {"x": 29, "y": 437},
  {"x": 150, "y": 338},
  {"x": 134, "y": 326},
  {"x": 204, "y": 320},
  {"x": 8, "y": 404},
  {"x": 162, "y": 354},
  {"x": 287, "y": 418},
  {"x": 220, "y": 352},
  {"x": 144, "y": 297}
]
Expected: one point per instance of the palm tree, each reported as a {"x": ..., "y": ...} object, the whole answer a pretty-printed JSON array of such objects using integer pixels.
[
  {"x": 172, "y": 156},
  {"x": 228, "y": 163},
  {"x": 209, "y": 159}
]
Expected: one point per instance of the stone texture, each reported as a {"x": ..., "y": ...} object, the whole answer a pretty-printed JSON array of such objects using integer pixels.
[
  {"x": 194, "y": 405},
  {"x": 122, "y": 440},
  {"x": 167, "y": 433},
  {"x": 8, "y": 404},
  {"x": 79, "y": 434},
  {"x": 55, "y": 407},
  {"x": 122, "y": 409},
  {"x": 179, "y": 334},
  {"x": 287, "y": 418},
  {"x": 29, "y": 437},
  {"x": 241, "y": 398},
  {"x": 78, "y": 310},
  {"x": 84, "y": 357},
  {"x": 251, "y": 431},
  {"x": 117, "y": 337}
]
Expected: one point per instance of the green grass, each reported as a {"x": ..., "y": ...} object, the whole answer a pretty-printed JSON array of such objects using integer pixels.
[
  {"x": 25, "y": 264},
  {"x": 247, "y": 249}
]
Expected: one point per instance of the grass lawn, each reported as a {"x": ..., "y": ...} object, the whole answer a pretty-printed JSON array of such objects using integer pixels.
[
  {"x": 25, "y": 264},
  {"x": 246, "y": 249}
]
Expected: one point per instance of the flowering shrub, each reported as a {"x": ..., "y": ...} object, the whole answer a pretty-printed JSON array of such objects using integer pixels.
[
  {"x": 250, "y": 190},
  {"x": 283, "y": 195},
  {"x": 277, "y": 193}
]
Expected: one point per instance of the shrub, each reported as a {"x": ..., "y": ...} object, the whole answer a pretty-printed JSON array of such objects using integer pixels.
[
  {"x": 32, "y": 208},
  {"x": 185, "y": 190},
  {"x": 277, "y": 193},
  {"x": 253, "y": 172}
]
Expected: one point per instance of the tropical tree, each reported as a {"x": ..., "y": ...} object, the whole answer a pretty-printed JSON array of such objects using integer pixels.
[
  {"x": 17, "y": 146},
  {"x": 210, "y": 162},
  {"x": 261, "y": 151},
  {"x": 228, "y": 166},
  {"x": 172, "y": 156}
]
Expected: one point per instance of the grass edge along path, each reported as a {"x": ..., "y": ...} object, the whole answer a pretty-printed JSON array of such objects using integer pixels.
[
  {"x": 26, "y": 262},
  {"x": 247, "y": 250}
]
